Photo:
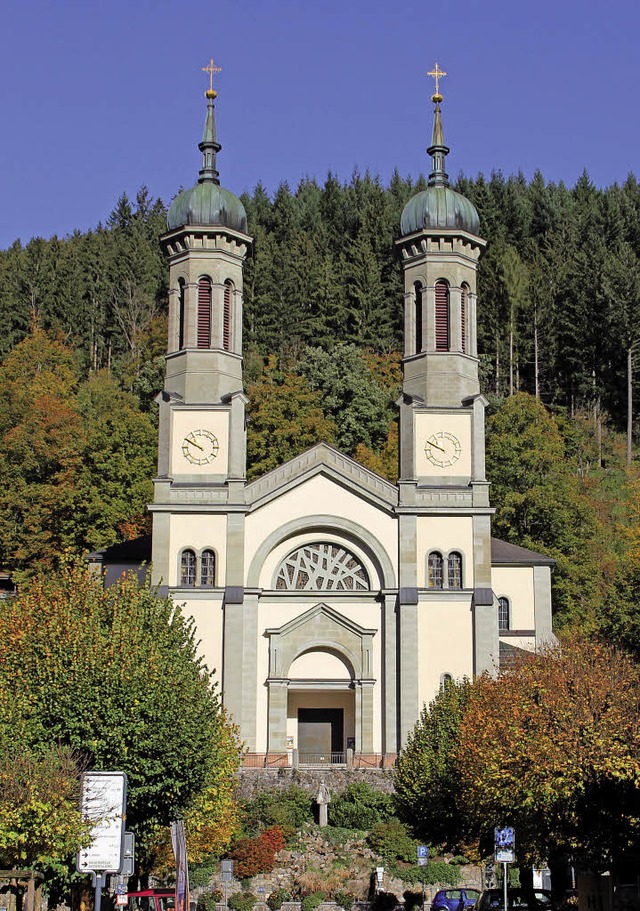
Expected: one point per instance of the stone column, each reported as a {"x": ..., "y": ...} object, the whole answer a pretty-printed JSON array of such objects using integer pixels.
[{"x": 278, "y": 698}]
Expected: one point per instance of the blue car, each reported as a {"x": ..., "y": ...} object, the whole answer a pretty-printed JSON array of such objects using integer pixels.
[{"x": 455, "y": 899}]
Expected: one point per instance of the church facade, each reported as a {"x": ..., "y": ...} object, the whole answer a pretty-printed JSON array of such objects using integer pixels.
[{"x": 332, "y": 603}]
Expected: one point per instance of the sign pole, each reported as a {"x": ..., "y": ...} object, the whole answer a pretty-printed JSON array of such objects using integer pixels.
[
  {"x": 505, "y": 877},
  {"x": 99, "y": 881}
]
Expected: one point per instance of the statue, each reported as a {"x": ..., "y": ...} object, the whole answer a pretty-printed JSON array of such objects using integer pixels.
[{"x": 323, "y": 799}]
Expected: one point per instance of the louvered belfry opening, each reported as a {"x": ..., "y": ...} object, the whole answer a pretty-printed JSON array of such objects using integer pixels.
[
  {"x": 226, "y": 316},
  {"x": 463, "y": 317},
  {"x": 442, "y": 316},
  {"x": 204, "y": 313},
  {"x": 181, "y": 305},
  {"x": 418, "y": 295}
]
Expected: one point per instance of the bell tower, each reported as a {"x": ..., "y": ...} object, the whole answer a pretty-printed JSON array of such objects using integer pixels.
[{"x": 202, "y": 439}]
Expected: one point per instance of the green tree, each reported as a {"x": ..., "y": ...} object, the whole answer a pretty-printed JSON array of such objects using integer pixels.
[
  {"x": 113, "y": 674},
  {"x": 426, "y": 775}
]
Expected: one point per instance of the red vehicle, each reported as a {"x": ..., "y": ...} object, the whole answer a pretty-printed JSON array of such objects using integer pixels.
[{"x": 151, "y": 900}]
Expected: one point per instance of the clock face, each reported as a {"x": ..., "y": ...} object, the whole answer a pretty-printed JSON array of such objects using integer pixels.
[
  {"x": 443, "y": 449},
  {"x": 200, "y": 447}
]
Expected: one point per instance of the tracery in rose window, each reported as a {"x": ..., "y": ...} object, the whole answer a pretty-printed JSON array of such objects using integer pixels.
[{"x": 322, "y": 567}]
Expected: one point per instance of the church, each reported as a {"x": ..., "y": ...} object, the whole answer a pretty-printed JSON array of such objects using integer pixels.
[{"x": 332, "y": 603}]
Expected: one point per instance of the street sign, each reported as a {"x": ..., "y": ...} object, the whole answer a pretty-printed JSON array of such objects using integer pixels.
[
  {"x": 128, "y": 855},
  {"x": 505, "y": 844},
  {"x": 423, "y": 855},
  {"x": 226, "y": 871},
  {"x": 103, "y": 804}
]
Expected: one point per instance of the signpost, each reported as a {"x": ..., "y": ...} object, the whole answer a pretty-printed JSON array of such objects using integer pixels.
[
  {"x": 226, "y": 875},
  {"x": 103, "y": 804},
  {"x": 423, "y": 860},
  {"x": 505, "y": 845}
]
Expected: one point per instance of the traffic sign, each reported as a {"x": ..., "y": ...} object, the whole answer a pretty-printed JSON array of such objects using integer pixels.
[
  {"x": 103, "y": 804},
  {"x": 423, "y": 855},
  {"x": 505, "y": 844}
]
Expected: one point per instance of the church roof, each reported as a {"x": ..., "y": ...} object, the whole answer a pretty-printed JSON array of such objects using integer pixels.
[
  {"x": 208, "y": 204},
  {"x": 439, "y": 206},
  {"x": 505, "y": 554}
]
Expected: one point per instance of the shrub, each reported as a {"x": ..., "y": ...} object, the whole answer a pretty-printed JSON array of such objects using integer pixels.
[
  {"x": 252, "y": 856},
  {"x": 412, "y": 900},
  {"x": 344, "y": 899},
  {"x": 277, "y": 898},
  {"x": 289, "y": 809},
  {"x": 384, "y": 901},
  {"x": 208, "y": 900},
  {"x": 360, "y": 807},
  {"x": 242, "y": 901},
  {"x": 201, "y": 874},
  {"x": 436, "y": 873},
  {"x": 391, "y": 841},
  {"x": 311, "y": 901}
]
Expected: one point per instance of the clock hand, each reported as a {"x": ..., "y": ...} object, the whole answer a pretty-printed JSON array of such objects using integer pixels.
[
  {"x": 435, "y": 446},
  {"x": 193, "y": 443}
]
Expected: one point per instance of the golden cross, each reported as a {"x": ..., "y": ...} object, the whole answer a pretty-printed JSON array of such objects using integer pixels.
[
  {"x": 211, "y": 69},
  {"x": 437, "y": 73}
]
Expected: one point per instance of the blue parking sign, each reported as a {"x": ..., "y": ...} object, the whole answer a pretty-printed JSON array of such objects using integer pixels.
[{"x": 423, "y": 855}]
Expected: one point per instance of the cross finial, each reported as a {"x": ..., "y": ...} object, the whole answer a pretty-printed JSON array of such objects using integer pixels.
[
  {"x": 437, "y": 74},
  {"x": 211, "y": 69}
]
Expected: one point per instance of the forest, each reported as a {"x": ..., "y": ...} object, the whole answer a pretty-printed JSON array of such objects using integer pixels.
[{"x": 83, "y": 334}]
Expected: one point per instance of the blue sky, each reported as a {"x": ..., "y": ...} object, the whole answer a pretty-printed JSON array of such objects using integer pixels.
[{"x": 98, "y": 97}]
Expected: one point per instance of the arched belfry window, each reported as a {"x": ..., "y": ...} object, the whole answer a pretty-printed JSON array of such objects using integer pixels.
[
  {"x": 442, "y": 316},
  {"x": 188, "y": 568},
  {"x": 417, "y": 290},
  {"x": 454, "y": 570},
  {"x": 226, "y": 315},
  {"x": 464, "y": 306},
  {"x": 322, "y": 566},
  {"x": 435, "y": 568},
  {"x": 181, "y": 314},
  {"x": 504, "y": 614},
  {"x": 204, "y": 313}
]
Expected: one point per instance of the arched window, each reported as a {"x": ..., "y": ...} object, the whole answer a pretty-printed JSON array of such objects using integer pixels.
[
  {"x": 464, "y": 303},
  {"x": 207, "y": 567},
  {"x": 504, "y": 613},
  {"x": 181, "y": 291},
  {"x": 322, "y": 566},
  {"x": 445, "y": 681},
  {"x": 417, "y": 289},
  {"x": 442, "y": 316},
  {"x": 435, "y": 570},
  {"x": 204, "y": 313},
  {"x": 226, "y": 316},
  {"x": 454, "y": 570},
  {"x": 188, "y": 568}
]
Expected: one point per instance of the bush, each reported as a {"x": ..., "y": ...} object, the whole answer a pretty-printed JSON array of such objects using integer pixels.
[
  {"x": 391, "y": 841},
  {"x": 289, "y": 809},
  {"x": 208, "y": 900},
  {"x": 344, "y": 899},
  {"x": 201, "y": 874},
  {"x": 412, "y": 900},
  {"x": 311, "y": 901},
  {"x": 436, "y": 873},
  {"x": 460, "y": 860},
  {"x": 242, "y": 901},
  {"x": 252, "y": 856},
  {"x": 360, "y": 807},
  {"x": 277, "y": 898},
  {"x": 384, "y": 901}
]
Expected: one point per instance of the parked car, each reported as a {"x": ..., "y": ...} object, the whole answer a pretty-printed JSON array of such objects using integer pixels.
[
  {"x": 151, "y": 900},
  {"x": 454, "y": 899},
  {"x": 517, "y": 900}
]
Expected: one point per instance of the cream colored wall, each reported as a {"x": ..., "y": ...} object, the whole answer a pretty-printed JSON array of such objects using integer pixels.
[
  {"x": 183, "y": 421},
  {"x": 317, "y": 496},
  {"x": 273, "y": 614},
  {"x": 298, "y": 699},
  {"x": 459, "y": 425},
  {"x": 319, "y": 665},
  {"x": 197, "y": 530},
  {"x": 445, "y": 643},
  {"x": 208, "y": 618},
  {"x": 445, "y": 533},
  {"x": 516, "y": 584}
]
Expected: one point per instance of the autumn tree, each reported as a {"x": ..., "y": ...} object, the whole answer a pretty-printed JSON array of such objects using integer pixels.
[
  {"x": 552, "y": 745},
  {"x": 114, "y": 675}
]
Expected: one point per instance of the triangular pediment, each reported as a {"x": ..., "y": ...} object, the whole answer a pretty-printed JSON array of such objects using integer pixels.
[
  {"x": 320, "y": 614},
  {"x": 323, "y": 459}
]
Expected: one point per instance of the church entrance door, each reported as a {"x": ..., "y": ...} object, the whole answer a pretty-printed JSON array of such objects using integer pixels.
[{"x": 321, "y": 736}]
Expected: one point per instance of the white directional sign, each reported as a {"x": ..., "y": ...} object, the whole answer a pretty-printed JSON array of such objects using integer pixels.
[{"x": 103, "y": 803}]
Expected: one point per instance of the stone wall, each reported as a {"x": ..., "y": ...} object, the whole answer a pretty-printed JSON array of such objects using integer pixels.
[{"x": 252, "y": 782}]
